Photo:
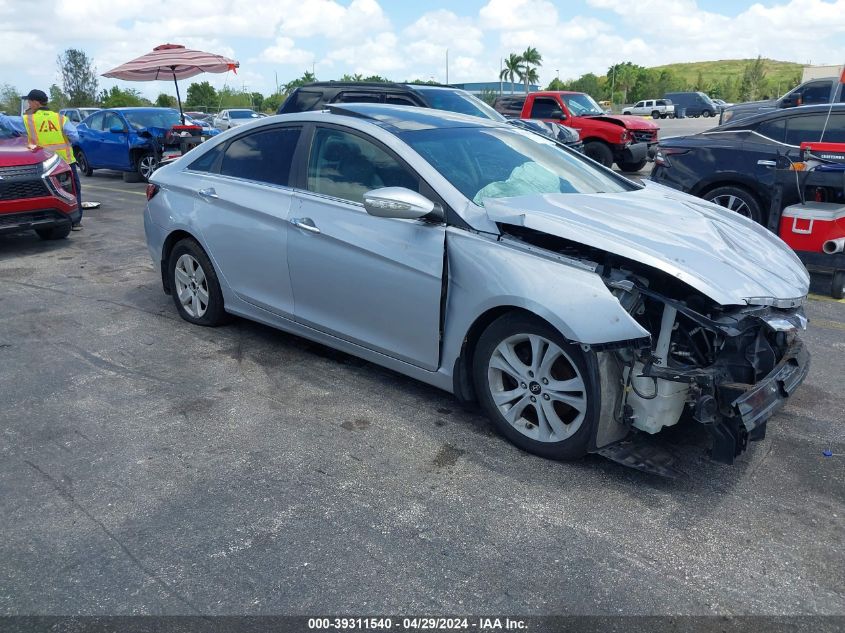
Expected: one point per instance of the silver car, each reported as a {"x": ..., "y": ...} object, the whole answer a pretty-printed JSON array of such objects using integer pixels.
[
  {"x": 226, "y": 119},
  {"x": 576, "y": 307}
]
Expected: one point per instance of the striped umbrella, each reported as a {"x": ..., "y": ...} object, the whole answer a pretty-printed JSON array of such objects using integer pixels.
[{"x": 172, "y": 60}]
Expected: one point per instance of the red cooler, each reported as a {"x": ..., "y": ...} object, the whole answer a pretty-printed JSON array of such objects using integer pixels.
[{"x": 806, "y": 227}]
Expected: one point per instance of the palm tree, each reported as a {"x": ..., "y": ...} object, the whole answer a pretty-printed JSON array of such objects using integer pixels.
[
  {"x": 531, "y": 57},
  {"x": 513, "y": 68}
]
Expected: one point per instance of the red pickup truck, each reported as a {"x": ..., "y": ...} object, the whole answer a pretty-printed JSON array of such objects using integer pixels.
[{"x": 608, "y": 138}]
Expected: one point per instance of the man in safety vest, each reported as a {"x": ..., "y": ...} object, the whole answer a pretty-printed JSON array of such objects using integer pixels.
[{"x": 49, "y": 130}]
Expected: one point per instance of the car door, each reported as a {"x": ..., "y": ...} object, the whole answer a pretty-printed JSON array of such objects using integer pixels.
[
  {"x": 90, "y": 139},
  {"x": 376, "y": 282},
  {"x": 242, "y": 204},
  {"x": 114, "y": 148}
]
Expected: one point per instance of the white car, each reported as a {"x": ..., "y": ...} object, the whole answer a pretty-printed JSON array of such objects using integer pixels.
[
  {"x": 655, "y": 108},
  {"x": 226, "y": 119}
]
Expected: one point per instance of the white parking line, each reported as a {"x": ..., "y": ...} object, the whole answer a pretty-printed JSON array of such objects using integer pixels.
[{"x": 100, "y": 188}]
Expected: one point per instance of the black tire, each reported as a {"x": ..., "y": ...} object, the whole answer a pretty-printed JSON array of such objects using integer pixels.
[
  {"x": 599, "y": 152},
  {"x": 146, "y": 165},
  {"x": 632, "y": 168},
  {"x": 664, "y": 115},
  {"x": 59, "y": 232},
  {"x": 655, "y": 115},
  {"x": 82, "y": 163},
  {"x": 574, "y": 360},
  {"x": 214, "y": 313},
  {"x": 627, "y": 113},
  {"x": 706, "y": 114},
  {"x": 837, "y": 285},
  {"x": 723, "y": 197}
]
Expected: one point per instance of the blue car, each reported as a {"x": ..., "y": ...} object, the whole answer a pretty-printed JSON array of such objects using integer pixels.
[{"x": 131, "y": 140}]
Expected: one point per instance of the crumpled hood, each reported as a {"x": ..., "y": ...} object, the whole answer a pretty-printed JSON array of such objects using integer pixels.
[
  {"x": 626, "y": 121},
  {"x": 727, "y": 257}
]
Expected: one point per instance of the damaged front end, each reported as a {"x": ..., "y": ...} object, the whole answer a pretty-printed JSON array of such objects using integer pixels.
[{"x": 730, "y": 367}]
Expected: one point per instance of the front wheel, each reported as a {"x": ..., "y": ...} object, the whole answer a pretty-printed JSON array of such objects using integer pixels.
[
  {"x": 82, "y": 163},
  {"x": 706, "y": 114},
  {"x": 738, "y": 200},
  {"x": 146, "y": 165},
  {"x": 194, "y": 286},
  {"x": 630, "y": 168},
  {"x": 539, "y": 390},
  {"x": 54, "y": 232},
  {"x": 599, "y": 152}
]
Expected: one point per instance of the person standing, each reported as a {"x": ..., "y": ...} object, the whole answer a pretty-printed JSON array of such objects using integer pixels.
[{"x": 49, "y": 130}]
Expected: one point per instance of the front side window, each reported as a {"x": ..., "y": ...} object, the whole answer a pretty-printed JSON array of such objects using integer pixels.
[
  {"x": 96, "y": 122},
  {"x": 545, "y": 108},
  {"x": 263, "y": 156},
  {"x": 502, "y": 163},
  {"x": 816, "y": 92},
  {"x": 774, "y": 129},
  {"x": 111, "y": 120},
  {"x": 809, "y": 128},
  {"x": 459, "y": 101},
  {"x": 344, "y": 165},
  {"x": 581, "y": 104}
]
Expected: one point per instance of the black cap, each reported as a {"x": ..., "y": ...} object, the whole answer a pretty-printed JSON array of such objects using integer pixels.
[{"x": 37, "y": 95}]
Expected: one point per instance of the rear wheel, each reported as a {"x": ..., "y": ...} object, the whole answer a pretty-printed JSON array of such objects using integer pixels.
[
  {"x": 599, "y": 152},
  {"x": 82, "y": 162},
  {"x": 54, "y": 232},
  {"x": 537, "y": 388},
  {"x": 706, "y": 114},
  {"x": 194, "y": 285},
  {"x": 837, "y": 288},
  {"x": 736, "y": 199}
]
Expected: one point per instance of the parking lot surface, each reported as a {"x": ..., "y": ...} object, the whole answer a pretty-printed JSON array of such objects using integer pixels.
[{"x": 153, "y": 467}]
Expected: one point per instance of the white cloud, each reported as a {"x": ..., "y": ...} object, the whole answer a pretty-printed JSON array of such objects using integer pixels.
[
  {"x": 327, "y": 18},
  {"x": 377, "y": 55},
  {"x": 284, "y": 51},
  {"x": 517, "y": 14}
]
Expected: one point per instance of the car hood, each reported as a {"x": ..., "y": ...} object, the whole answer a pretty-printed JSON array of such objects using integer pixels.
[
  {"x": 727, "y": 257},
  {"x": 15, "y": 152},
  {"x": 626, "y": 121}
]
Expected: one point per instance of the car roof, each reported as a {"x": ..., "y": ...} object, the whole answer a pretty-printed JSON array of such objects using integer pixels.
[
  {"x": 397, "y": 119},
  {"x": 140, "y": 109},
  {"x": 744, "y": 122}
]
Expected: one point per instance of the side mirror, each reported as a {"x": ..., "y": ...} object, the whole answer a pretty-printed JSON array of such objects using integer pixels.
[
  {"x": 117, "y": 129},
  {"x": 558, "y": 114},
  {"x": 399, "y": 202},
  {"x": 790, "y": 101}
]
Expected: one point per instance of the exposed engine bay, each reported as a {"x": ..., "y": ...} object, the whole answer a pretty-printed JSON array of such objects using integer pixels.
[{"x": 728, "y": 368}]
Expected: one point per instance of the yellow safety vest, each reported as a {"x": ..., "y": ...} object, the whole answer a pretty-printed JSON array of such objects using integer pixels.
[{"x": 44, "y": 128}]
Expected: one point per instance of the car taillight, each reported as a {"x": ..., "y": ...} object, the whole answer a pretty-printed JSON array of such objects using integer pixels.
[
  {"x": 663, "y": 154},
  {"x": 152, "y": 190}
]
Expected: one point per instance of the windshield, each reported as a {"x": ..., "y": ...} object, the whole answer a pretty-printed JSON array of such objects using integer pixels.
[
  {"x": 242, "y": 114},
  {"x": 581, "y": 104},
  {"x": 460, "y": 102},
  {"x": 502, "y": 163},
  {"x": 164, "y": 118}
]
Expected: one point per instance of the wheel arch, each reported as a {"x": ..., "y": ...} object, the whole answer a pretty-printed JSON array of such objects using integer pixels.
[
  {"x": 167, "y": 248},
  {"x": 733, "y": 180}
]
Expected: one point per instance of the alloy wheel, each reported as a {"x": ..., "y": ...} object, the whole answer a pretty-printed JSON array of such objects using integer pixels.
[
  {"x": 147, "y": 166},
  {"x": 734, "y": 203},
  {"x": 191, "y": 286},
  {"x": 537, "y": 388}
]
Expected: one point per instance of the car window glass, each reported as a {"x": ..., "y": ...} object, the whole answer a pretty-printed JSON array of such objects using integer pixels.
[
  {"x": 816, "y": 92},
  {"x": 264, "y": 156},
  {"x": 346, "y": 166},
  {"x": 809, "y": 128},
  {"x": 358, "y": 97},
  {"x": 640, "y": 104},
  {"x": 207, "y": 161},
  {"x": 73, "y": 115},
  {"x": 306, "y": 100},
  {"x": 111, "y": 120},
  {"x": 545, "y": 108},
  {"x": 774, "y": 129},
  {"x": 96, "y": 121},
  {"x": 399, "y": 100}
]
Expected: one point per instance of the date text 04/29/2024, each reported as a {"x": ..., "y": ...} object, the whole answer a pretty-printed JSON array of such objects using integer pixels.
[{"x": 425, "y": 623}]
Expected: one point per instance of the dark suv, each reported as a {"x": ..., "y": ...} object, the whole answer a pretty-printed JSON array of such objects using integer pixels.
[{"x": 317, "y": 95}]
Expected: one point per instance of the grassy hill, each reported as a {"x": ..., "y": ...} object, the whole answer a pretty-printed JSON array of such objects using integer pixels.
[{"x": 781, "y": 76}]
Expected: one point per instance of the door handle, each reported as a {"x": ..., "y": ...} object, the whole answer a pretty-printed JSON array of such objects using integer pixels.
[
  {"x": 306, "y": 224},
  {"x": 208, "y": 193},
  {"x": 767, "y": 163}
]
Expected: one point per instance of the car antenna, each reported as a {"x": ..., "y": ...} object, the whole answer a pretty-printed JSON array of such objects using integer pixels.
[{"x": 832, "y": 101}]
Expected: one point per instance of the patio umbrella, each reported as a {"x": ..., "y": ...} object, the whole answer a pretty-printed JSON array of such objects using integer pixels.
[{"x": 172, "y": 60}]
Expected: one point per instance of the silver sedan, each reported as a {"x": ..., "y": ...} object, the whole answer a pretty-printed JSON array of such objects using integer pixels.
[{"x": 576, "y": 307}]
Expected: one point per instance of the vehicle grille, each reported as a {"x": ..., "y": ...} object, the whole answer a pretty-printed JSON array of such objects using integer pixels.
[
  {"x": 645, "y": 136},
  {"x": 11, "y": 221},
  {"x": 19, "y": 189},
  {"x": 18, "y": 171}
]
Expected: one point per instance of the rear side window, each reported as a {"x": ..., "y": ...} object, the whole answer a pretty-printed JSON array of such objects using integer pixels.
[
  {"x": 399, "y": 100},
  {"x": 265, "y": 156},
  {"x": 774, "y": 130},
  {"x": 302, "y": 101},
  {"x": 208, "y": 161},
  {"x": 809, "y": 128},
  {"x": 358, "y": 97}
]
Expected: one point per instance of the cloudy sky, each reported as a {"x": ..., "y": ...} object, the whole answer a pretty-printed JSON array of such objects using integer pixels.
[{"x": 406, "y": 40}]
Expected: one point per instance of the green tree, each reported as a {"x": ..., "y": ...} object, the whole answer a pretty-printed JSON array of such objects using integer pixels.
[
  {"x": 272, "y": 103},
  {"x": 531, "y": 60},
  {"x": 307, "y": 78},
  {"x": 79, "y": 77},
  {"x": 257, "y": 101},
  {"x": 512, "y": 69},
  {"x": 753, "y": 80},
  {"x": 623, "y": 77},
  {"x": 557, "y": 84},
  {"x": 202, "y": 95},
  {"x": 58, "y": 99},
  {"x": 588, "y": 83},
  {"x": 230, "y": 98},
  {"x": 117, "y": 98},
  {"x": 166, "y": 101},
  {"x": 10, "y": 99},
  {"x": 355, "y": 77}
]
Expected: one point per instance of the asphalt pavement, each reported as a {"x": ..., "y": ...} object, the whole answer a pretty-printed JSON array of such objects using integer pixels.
[{"x": 149, "y": 466}]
